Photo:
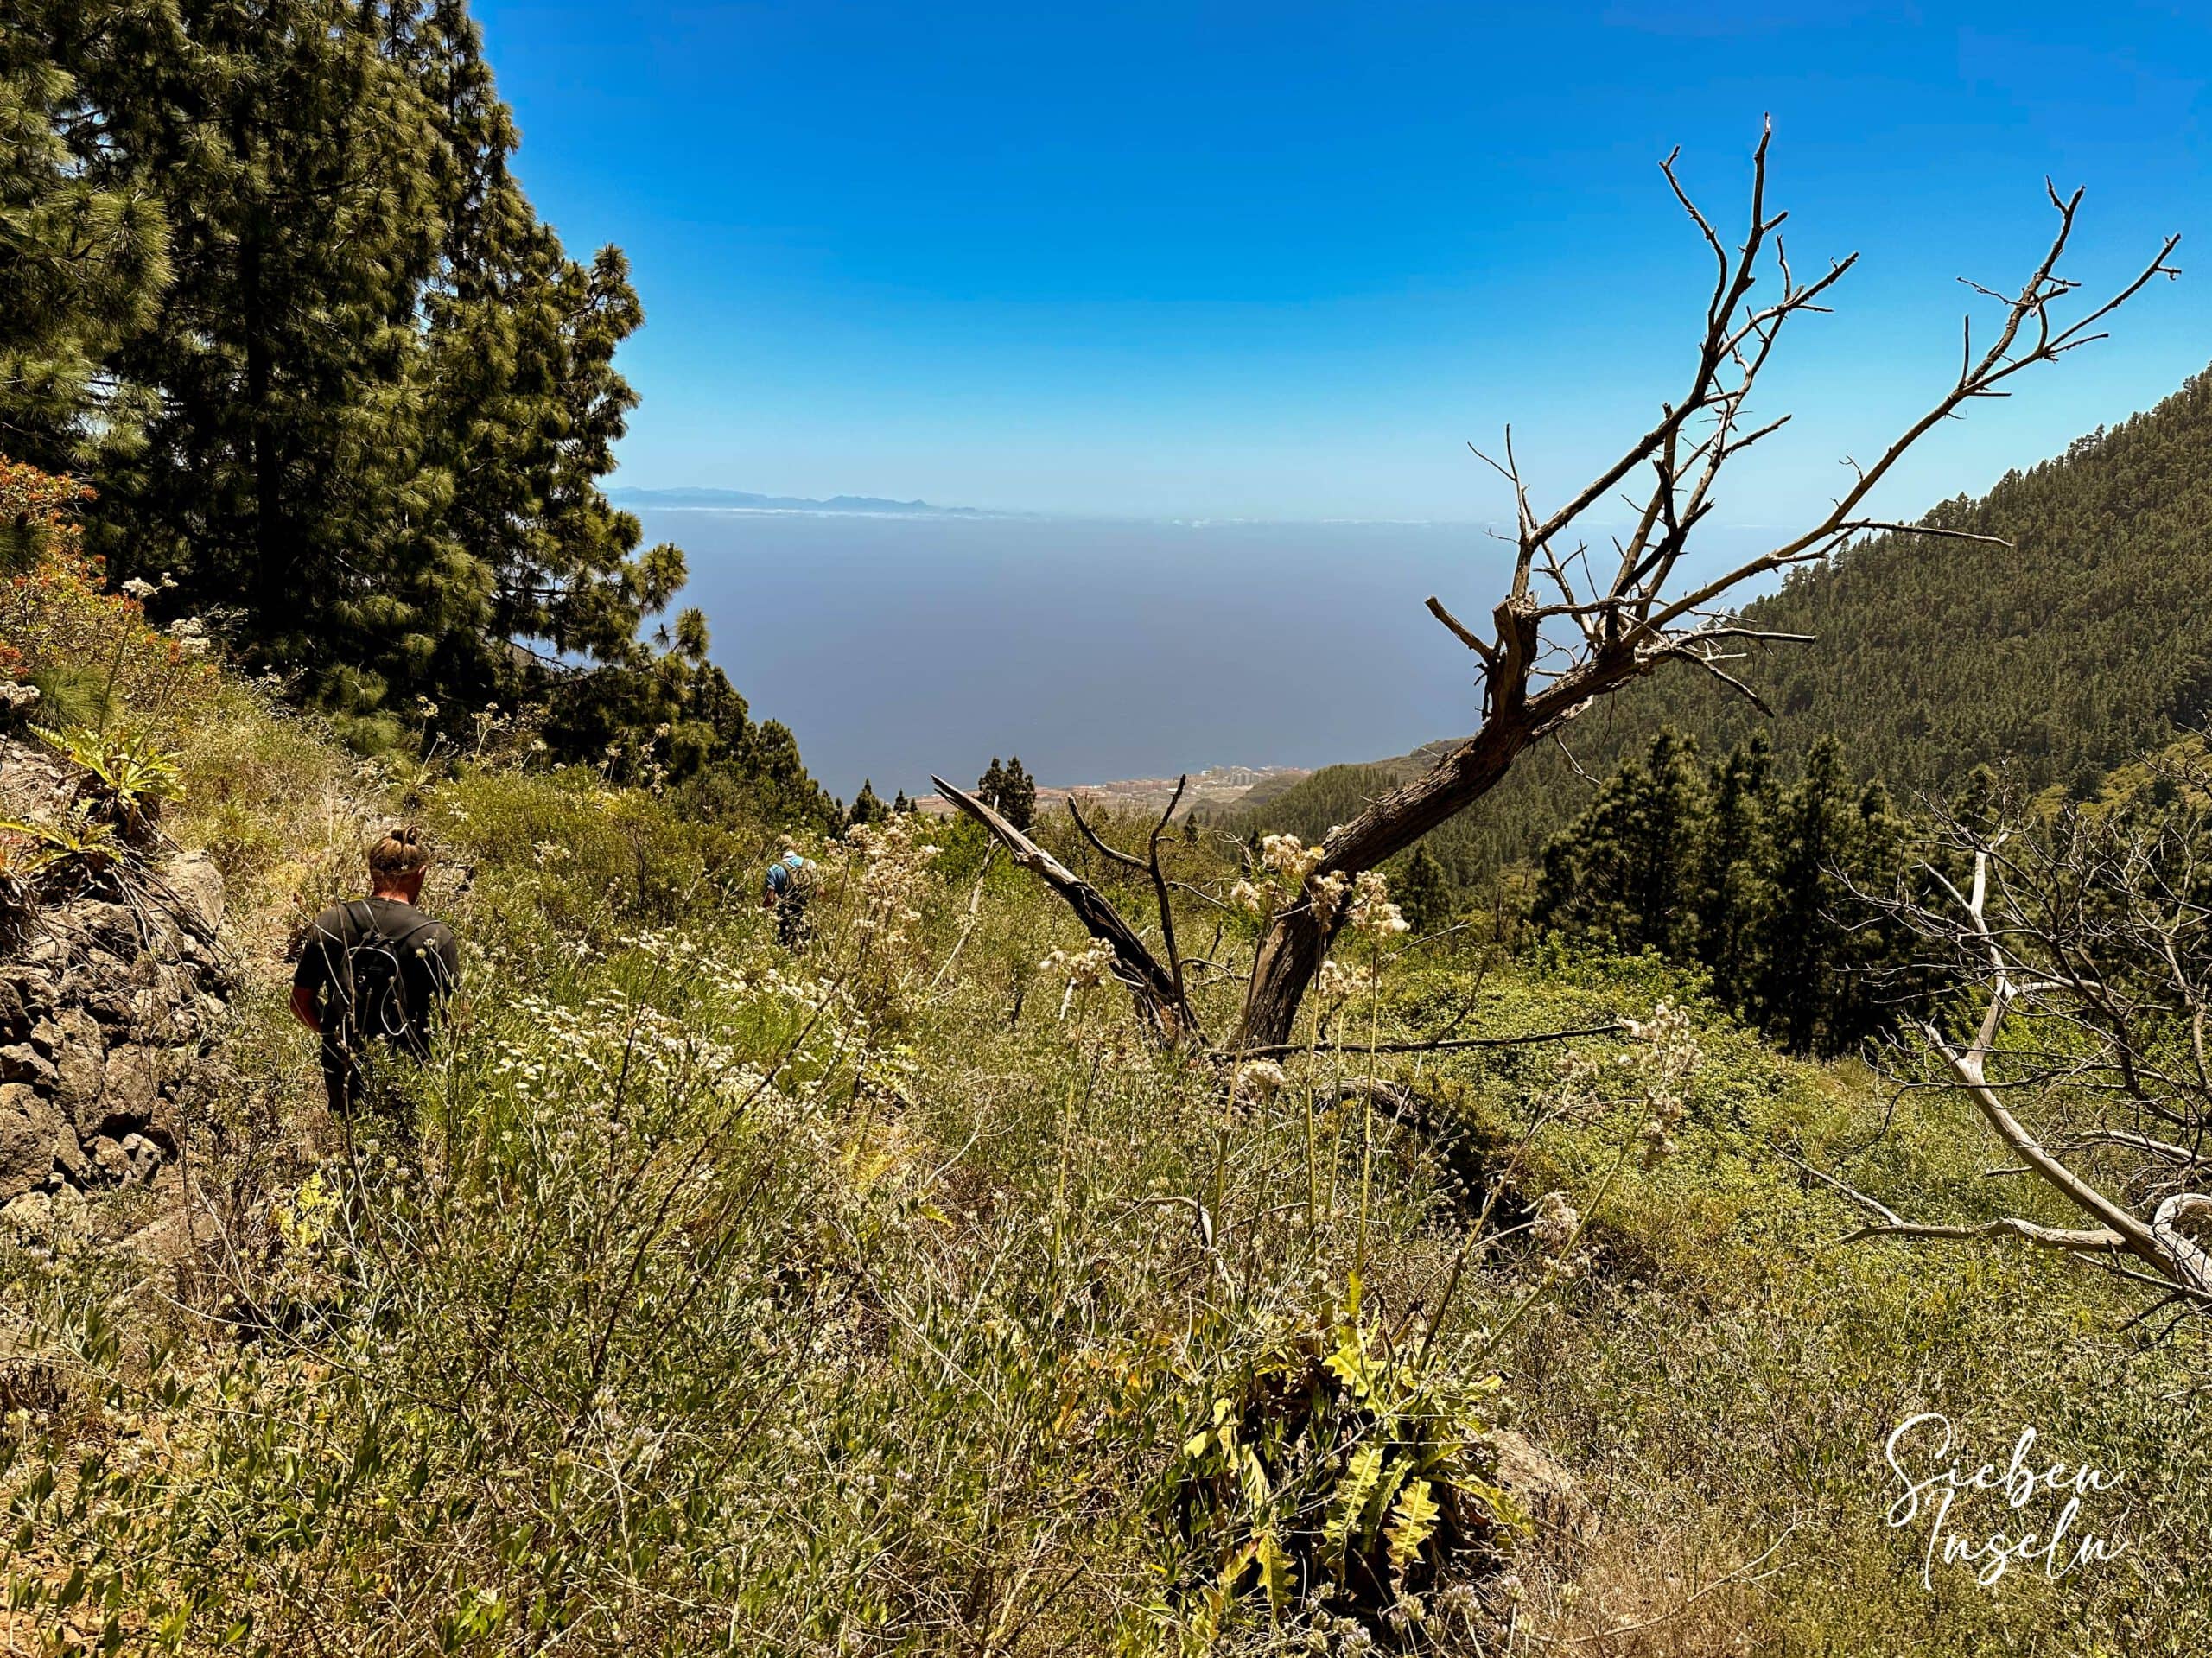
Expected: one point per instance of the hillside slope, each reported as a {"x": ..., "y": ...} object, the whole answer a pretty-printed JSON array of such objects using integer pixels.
[
  {"x": 894, "y": 1296},
  {"x": 2086, "y": 643}
]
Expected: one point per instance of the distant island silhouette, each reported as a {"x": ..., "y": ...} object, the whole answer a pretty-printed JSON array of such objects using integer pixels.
[{"x": 740, "y": 500}]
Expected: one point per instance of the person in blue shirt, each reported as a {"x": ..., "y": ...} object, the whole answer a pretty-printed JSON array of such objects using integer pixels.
[{"x": 787, "y": 888}]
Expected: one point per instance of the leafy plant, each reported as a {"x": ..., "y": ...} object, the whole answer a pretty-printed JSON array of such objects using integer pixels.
[
  {"x": 127, "y": 775},
  {"x": 87, "y": 848},
  {"x": 1342, "y": 1477}
]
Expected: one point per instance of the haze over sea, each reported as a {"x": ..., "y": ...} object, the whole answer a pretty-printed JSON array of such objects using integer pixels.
[{"x": 897, "y": 645}]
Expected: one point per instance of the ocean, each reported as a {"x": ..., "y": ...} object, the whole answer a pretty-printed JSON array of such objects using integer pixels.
[{"x": 898, "y": 646}]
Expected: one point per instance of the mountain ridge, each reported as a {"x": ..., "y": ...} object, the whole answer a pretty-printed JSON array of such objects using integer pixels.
[{"x": 2081, "y": 645}]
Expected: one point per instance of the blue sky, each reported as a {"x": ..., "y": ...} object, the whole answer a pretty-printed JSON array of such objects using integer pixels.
[{"x": 1285, "y": 262}]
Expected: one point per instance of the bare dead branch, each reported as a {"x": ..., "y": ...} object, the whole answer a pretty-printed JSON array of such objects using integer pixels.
[
  {"x": 1562, "y": 637},
  {"x": 1159, "y": 890},
  {"x": 1159, "y": 999},
  {"x": 1451, "y": 1045}
]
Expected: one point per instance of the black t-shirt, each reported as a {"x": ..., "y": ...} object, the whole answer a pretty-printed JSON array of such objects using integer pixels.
[{"x": 379, "y": 968}]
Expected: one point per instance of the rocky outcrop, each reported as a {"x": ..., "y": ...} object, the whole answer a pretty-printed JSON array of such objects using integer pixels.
[{"x": 108, "y": 1005}]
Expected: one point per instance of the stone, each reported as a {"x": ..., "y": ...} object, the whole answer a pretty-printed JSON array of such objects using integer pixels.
[
  {"x": 112, "y": 926},
  {"x": 69, "y": 1155},
  {"x": 30, "y": 1217},
  {"x": 133, "y": 1085},
  {"x": 29, "y": 1129},
  {"x": 80, "y": 1067},
  {"x": 144, "y": 1154},
  {"x": 15, "y": 1017},
  {"x": 22, "y": 1062},
  {"x": 33, "y": 987},
  {"x": 1550, "y": 1494},
  {"x": 109, "y": 1157},
  {"x": 196, "y": 879}
]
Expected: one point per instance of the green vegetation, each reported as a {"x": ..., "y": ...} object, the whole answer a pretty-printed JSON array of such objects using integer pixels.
[
  {"x": 1011, "y": 790},
  {"x": 2076, "y": 650},
  {"x": 902, "y": 1294},
  {"x": 1718, "y": 866},
  {"x": 899, "y": 1296},
  {"x": 347, "y": 400}
]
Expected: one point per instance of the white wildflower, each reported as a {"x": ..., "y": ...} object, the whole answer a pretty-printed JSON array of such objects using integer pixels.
[
  {"x": 1259, "y": 1079},
  {"x": 1328, "y": 894},
  {"x": 1083, "y": 969},
  {"x": 1339, "y": 983},
  {"x": 1372, "y": 911},
  {"x": 1286, "y": 854},
  {"x": 1556, "y": 1223}
]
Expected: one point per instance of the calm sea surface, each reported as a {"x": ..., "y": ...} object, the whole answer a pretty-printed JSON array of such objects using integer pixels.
[{"x": 897, "y": 646}]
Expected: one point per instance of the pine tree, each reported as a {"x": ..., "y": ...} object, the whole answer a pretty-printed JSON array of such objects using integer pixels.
[
  {"x": 1803, "y": 944},
  {"x": 299, "y": 174},
  {"x": 1878, "y": 972},
  {"x": 1626, "y": 871},
  {"x": 83, "y": 259},
  {"x": 384, "y": 397},
  {"x": 990, "y": 788},
  {"x": 1020, "y": 803},
  {"x": 901, "y": 805},
  {"x": 1738, "y": 854},
  {"x": 1424, "y": 893},
  {"x": 868, "y": 807}
]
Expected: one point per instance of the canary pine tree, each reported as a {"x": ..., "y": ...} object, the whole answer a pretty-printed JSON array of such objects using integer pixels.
[
  {"x": 1424, "y": 893},
  {"x": 378, "y": 395},
  {"x": 1627, "y": 871},
  {"x": 82, "y": 262},
  {"x": 1763, "y": 887},
  {"x": 1018, "y": 800}
]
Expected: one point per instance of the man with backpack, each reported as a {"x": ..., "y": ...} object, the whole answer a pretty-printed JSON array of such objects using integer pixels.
[
  {"x": 787, "y": 889},
  {"x": 376, "y": 969}
]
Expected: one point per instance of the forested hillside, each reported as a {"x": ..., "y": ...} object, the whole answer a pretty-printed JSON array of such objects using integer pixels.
[{"x": 2086, "y": 644}]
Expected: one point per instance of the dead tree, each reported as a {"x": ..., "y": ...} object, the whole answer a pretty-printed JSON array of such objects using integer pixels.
[
  {"x": 1573, "y": 627},
  {"x": 2085, "y": 949}
]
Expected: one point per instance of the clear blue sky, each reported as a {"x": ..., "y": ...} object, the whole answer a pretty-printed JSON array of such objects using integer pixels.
[{"x": 1286, "y": 261}]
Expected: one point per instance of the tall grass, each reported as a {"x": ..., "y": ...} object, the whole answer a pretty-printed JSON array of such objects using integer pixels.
[{"x": 898, "y": 1297}]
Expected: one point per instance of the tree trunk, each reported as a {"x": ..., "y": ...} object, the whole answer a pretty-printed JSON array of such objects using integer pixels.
[{"x": 1291, "y": 954}]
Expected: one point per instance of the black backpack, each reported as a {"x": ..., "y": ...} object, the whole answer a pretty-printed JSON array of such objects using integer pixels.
[{"x": 372, "y": 984}]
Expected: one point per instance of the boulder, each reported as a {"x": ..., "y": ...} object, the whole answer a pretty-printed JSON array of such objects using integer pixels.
[
  {"x": 22, "y": 1062},
  {"x": 79, "y": 1064},
  {"x": 109, "y": 1158},
  {"x": 195, "y": 878},
  {"x": 133, "y": 1085},
  {"x": 1552, "y": 1496},
  {"x": 30, "y": 1130},
  {"x": 30, "y": 1217}
]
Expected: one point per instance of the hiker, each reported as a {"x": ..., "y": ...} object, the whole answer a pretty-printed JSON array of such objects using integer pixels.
[
  {"x": 787, "y": 889},
  {"x": 375, "y": 969}
]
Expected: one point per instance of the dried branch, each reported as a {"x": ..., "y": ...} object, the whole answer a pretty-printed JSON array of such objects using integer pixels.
[
  {"x": 1562, "y": 637},
  {"x": 1440, "y": 1045},
  {"x": 1158, "y": 997}
]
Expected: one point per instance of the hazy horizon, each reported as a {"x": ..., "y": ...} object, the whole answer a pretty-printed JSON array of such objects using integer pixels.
[{"x": 894, "y": 646}]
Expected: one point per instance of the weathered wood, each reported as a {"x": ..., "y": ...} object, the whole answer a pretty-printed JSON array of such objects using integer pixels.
[{"x": 1159, "y": 1000}]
